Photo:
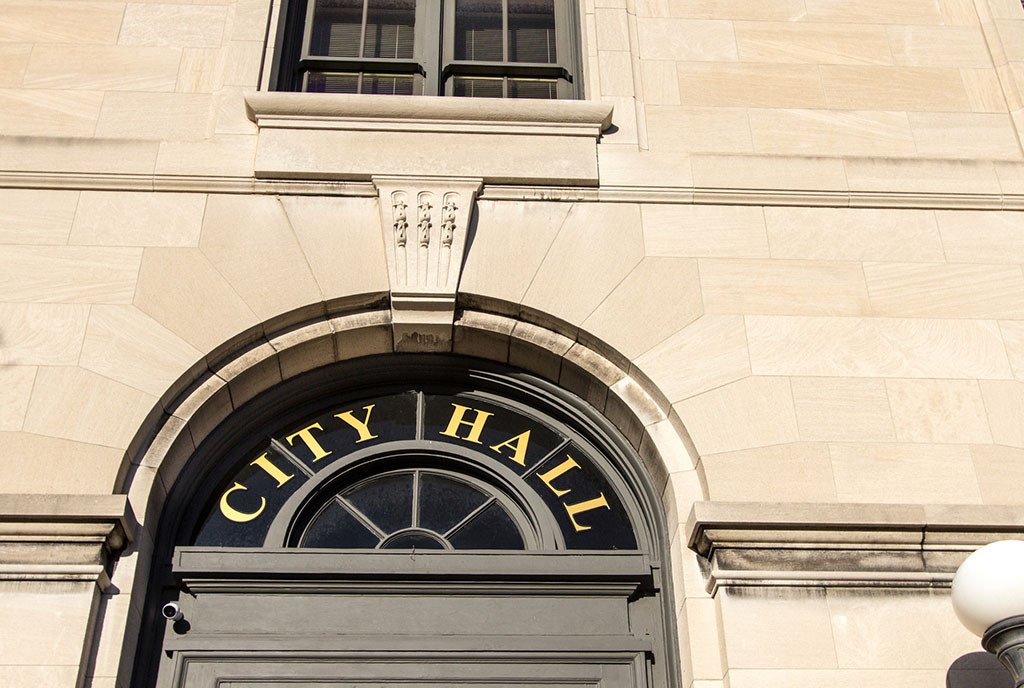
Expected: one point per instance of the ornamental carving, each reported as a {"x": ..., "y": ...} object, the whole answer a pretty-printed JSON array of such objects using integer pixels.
[
  {"x": 448, "y": 219},
  {"x": 401, "y": 222},
  {"x": 425, "y": 274},
  {"x": 423, "y": 223}
]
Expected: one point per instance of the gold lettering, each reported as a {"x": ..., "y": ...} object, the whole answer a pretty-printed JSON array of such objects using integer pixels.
[
  {"x": 233, "y": 514},
  {"x": 558, "y": 470},
  {"x": 476, "y": 426},
  {"x": 273, "y": 471},
  {"x": 573, "y": 509},
  {"x": 361, "y": 426},
  {"x": 306, "y": 435},
  {"x": 518, "y": 446}
]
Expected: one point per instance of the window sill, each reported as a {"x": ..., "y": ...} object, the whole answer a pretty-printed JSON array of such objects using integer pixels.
[{"x": 354, "y": 137}]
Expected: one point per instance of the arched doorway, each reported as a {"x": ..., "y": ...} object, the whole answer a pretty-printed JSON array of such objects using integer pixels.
[{"x": 414, "y": 520}]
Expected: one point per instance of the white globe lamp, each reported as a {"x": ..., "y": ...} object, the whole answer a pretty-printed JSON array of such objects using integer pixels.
[{"x": 988, "y": 596}]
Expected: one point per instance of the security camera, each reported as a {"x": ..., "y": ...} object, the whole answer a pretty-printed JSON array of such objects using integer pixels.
[{"x": 172, "y": 612}]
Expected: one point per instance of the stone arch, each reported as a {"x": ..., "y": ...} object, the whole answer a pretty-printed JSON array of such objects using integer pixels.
[
  {"x": 254, "y": 362},
  {"x": 278, "y": 350}
]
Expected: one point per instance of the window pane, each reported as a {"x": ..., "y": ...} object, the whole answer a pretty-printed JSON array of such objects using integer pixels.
[
  {"x": 445, "y": 502},
  {"x": 378, "y": 513},
  {"x": 336, "y": 28},
  {"x": 474, "y": 87},
  {"x": 325, "y": 82},
  {"x": 531, "y": 31},
  {"x": 478, "y": 30},
  {"x": 386, "y": 501},
  {"x": 492, "y": 528},
  {"x": 334, "y": 527},
  {"x": 388, "y": 85},
  {"x": 532, "y": 88},
  {"x": 389, "y": 29},
  {"x": 330, "y": 82}
]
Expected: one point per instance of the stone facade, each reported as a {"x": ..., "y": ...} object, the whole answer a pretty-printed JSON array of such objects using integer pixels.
[{"x": 787, "y": 266}]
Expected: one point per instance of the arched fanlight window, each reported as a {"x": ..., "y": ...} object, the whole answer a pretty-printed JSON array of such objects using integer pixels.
[
  {"x": 367, "y": 471},
  {"x": 380, "y": 516},
  {"x": 416, "y": 508}
]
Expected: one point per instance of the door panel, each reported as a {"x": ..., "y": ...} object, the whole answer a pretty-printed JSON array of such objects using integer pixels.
[{"x": 197, "y": 670}]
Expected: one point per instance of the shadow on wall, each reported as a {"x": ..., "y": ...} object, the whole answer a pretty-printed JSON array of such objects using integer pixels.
[{"x": 978, "y": 670}]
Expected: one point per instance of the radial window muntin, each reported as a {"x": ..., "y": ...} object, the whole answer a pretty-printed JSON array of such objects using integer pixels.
[
  {"x": 533, "y": 520},
  {"x": 458, "y": 532}
]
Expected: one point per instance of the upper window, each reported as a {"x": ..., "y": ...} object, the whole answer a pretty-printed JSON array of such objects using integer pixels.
[{"x": 476, "y": 48}]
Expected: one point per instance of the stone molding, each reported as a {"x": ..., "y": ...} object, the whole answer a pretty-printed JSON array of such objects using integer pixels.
[
  {"x": 276, "y": 109},
  {"x": 749, "y": 544},
  {"x": 63, "y": 537},
  {"x": 259, "y": 359},
  {"x": 354, "y": 137},
  {"x": 220, "y": 184},
  {"x": 425, "y": 225},
  {"x": 609, "y": 193}
]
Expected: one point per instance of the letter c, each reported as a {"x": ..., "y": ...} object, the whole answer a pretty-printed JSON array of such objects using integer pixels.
[{"x": 233, "y": 514}]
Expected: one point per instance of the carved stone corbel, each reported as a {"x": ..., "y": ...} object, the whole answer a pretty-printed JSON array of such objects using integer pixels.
[{"x": 425, "y": 221}]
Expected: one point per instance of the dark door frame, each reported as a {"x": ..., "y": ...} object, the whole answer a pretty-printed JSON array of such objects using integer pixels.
[{"x": 238, "y": 434}]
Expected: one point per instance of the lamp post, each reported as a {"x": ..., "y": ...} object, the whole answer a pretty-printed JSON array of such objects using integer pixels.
[{"x": 988, "y": 596}]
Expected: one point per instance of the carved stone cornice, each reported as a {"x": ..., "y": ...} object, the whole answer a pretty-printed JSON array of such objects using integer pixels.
[
  {"x": 744, "y": 544},
  {"x": 425, "y": 224},
  {"x": 62, "y": 537}
]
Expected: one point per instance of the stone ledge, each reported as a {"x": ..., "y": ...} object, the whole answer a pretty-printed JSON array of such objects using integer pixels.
[
  {"x": 353, "y": 137},
  {"x": 851, "y": 545},
  {"x": 64, "y": 507},
  {"x": 748, "y": 180},
  {"x": 427, "y": 113},
  {"x": 62, "y": 537}
]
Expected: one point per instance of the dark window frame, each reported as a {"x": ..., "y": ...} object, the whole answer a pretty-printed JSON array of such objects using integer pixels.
[{"x": 433, "y": 65}]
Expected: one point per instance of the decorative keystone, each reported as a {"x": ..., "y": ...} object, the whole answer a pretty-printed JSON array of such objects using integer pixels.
[{"x": 425, "y": 222}]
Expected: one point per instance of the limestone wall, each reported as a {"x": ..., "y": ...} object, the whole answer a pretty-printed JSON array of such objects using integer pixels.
[
  {"x": 800, "y": 274},
  {"x": 812, "y": 355},
  {"x": 930, "y": 79},
  {"x": 926, "y": 78}
]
